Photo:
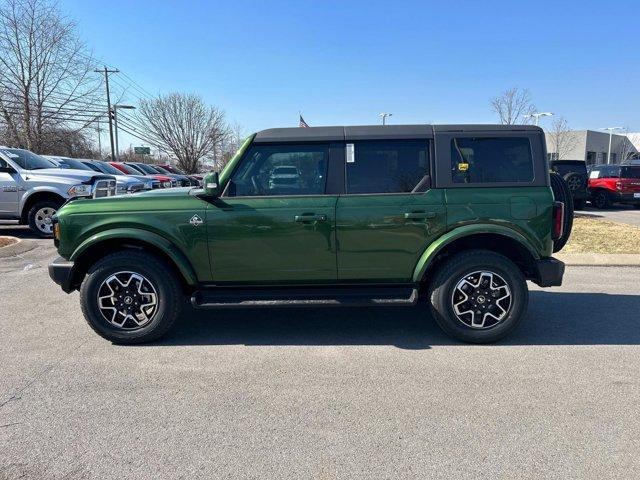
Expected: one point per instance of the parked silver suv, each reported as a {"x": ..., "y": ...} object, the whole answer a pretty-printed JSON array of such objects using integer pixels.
[{"x": 32, "y": 188}]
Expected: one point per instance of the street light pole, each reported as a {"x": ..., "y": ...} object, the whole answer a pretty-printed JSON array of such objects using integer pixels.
[
  {"x": 115, "y": 124},
  {"x": 384, "y": 117},
  {"x": 537, "y": 116},
  {"x": 611, "y": 129}
]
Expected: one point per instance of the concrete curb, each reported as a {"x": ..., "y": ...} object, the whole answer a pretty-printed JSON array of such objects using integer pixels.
[
  {"x": 14, "y": 249},
  {"x": 600, "y": 259}
]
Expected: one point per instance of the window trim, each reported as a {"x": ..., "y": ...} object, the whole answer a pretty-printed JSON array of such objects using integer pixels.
[
  {"x": 430, "y": 152},
  {"x": 444, "y": 177},
  {"x": 327, "y": 145}
]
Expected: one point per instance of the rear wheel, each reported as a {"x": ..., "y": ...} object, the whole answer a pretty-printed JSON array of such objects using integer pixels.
[
  {"x": 478, "y": 296},
  {"x": 130, "y": 297},
  {"x": 40, "y": 217},
  {"x": 601, "y": 199}
]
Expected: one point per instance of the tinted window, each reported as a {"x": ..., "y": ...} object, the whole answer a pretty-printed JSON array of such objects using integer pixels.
[
  {"x": 281, "y": 170},
  {"x": 27, "y": 160},
  {"x": 564, "y": 168},
  {"x": 630, "y": 172},
  {"x": 491, "y": 160},
  {"x": 106, "y": 168},
  {"x": 387, "y": 167},
  {"x": 144, "y": 168},
  {"x": 75, "y": 164}
]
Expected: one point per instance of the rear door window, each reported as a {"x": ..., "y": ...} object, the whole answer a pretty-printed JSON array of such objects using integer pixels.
[
  {"x": 395, "y": 166},
  {"x": 630, "y": 172},
  {"x": 491, "y": 160}
]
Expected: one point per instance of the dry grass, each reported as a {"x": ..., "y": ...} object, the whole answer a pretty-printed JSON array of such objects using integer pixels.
[
  {"x": 590, "y": 235},
  {"x": 4, "y": 241}
]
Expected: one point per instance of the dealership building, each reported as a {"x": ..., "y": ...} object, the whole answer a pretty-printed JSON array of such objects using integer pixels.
[{"x": 592, "y": 146}]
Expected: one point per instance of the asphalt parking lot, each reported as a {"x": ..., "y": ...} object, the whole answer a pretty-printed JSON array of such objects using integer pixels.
[
  {"x": 313, "y": 393},
  {"x": 617, "y": 213}
]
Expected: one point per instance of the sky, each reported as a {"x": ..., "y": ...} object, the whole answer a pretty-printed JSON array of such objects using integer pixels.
[{"x": 344, "y": 62}]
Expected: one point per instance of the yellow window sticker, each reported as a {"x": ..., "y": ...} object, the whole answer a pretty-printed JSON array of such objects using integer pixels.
[{"x": 463, "y": 167}]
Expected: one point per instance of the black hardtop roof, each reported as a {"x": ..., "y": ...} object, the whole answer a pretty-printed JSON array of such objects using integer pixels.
[{"x": 374, "y": 132}]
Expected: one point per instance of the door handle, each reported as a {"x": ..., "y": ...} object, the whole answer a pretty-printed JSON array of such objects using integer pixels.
[
  {"x": 310, "y": 217},
  {"x": 419, "y": 215}
]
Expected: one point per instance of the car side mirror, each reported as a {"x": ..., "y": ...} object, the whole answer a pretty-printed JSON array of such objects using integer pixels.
[{"x": 211, "y": 184}]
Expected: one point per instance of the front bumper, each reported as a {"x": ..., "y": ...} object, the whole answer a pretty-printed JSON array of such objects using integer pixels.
[
  {"x": 61, "y": 272},
  {"x": 549, "y": 272}
]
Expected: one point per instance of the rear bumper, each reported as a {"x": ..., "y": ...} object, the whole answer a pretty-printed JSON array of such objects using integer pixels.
[
  {"x": 61, "y": 272},
  {"x": 549, "y": 272},
  {"x": 625, "y": 198}
]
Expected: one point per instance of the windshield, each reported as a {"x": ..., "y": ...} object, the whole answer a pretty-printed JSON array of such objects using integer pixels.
[
  {"x": 106, "y": 168},
  {"x": 630, "y": 172},
  {"x": 162, "y": 170},
  {"x": 26, "y": 159},
  {"x": 173, "y": 169},
  {"x": 145, "y": 168},
  {"x": 76, "y": 164}
]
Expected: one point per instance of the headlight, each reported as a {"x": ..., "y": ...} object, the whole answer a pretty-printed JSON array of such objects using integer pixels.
[
  {"x": 166, "y": 184},
  {"x": 148, "y": 185},
  {"x": 79, "y": 191}
]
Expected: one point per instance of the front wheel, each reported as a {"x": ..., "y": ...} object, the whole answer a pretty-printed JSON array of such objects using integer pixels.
[
  {"x": 40, "y": 217},
  {"x": 478, "y": 296},
  {"x": 130, "y": 297}
]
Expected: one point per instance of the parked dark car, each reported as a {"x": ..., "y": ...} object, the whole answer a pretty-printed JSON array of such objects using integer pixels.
[
  {"x": 609, "y": 184},
  {"x": 574, "y": 172}
]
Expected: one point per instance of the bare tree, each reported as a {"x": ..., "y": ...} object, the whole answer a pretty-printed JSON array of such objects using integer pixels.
[
  {"x": 184, "y": 125},
  {"x": 627, "y": 150},
  {"x": 560, "y": 139},
  {"x": 228, "y": 145},
  {"x": 46, "y": 75},
  {"x": 513, "y": 106}
]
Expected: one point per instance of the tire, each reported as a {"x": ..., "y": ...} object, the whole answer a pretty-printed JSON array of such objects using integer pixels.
[
  {"x": 39, "y": 217},
  {"x": 636, "y": 206},
  {"x": 574, "y": 181},
  {"x": 561, "y": 193},
  {"x": 601, "y": 199},
  {"x": 579, "y": 204},
  {"x": 156, "y": 276},
  {"x": 443, "y": 294}
]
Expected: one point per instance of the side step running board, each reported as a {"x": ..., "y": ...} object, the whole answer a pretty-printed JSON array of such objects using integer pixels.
[{"x": 307, "y": 297}]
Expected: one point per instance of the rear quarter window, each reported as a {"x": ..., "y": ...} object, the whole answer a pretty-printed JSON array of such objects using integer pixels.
[{"x": 478, "y": 160}]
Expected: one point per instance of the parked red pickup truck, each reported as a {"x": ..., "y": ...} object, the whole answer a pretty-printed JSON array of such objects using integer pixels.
[{"x": 609, "y": 184}]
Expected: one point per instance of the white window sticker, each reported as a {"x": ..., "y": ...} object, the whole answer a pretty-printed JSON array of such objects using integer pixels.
[
  {"x": 350, "y": 153},
  {"x": 594, "y": 174}
]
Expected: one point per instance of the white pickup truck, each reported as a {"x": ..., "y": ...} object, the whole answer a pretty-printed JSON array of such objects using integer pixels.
[{"x": 32, "y": 188}]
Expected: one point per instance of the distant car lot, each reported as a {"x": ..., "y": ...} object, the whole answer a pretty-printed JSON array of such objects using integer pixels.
[{"x": 318, "y": 393}]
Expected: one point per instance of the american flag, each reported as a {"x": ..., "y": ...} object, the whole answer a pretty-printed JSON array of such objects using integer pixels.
[{"x": 303, "y": 124}]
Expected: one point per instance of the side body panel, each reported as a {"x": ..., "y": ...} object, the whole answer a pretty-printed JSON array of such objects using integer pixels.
[
  {"x": 381, "y": 237},
  {"x": 260, "y": 240}
]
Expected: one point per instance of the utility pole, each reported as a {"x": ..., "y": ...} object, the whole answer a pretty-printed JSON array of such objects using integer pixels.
[
  {"x": 99, "y": 139},
  {"x": 106, "y": 72},
  {"x": 115, "y": 121}
]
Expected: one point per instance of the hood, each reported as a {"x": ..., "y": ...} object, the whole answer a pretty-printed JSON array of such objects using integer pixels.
[{"x": 61, "y": 174}]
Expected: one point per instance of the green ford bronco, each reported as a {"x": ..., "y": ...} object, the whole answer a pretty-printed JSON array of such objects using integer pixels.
[{"x": 459, "y": 216}]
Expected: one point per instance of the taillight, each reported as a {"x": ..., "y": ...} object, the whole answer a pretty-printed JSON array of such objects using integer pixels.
[
  {"x": 618, "y": 185},
  {"x": 558, "y": 220}
]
